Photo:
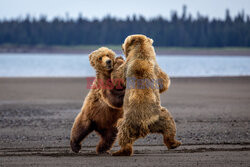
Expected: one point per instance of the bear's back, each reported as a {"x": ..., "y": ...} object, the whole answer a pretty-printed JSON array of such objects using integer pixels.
[{"x": 141, "y": 69}]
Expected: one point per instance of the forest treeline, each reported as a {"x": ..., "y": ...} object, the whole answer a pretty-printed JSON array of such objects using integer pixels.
[{"x": 178, "y": 31}]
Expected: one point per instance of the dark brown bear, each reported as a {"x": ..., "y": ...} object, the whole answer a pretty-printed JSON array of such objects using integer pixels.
[{"x": 102, "y": 106}]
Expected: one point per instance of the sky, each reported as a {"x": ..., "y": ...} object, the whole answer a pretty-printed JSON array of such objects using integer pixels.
[{"x": 99, "y": 8}]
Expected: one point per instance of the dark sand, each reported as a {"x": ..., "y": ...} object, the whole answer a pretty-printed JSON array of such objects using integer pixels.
[{"x": 212, "y": 117}]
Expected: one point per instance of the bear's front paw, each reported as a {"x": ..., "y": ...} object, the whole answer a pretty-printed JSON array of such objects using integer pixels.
[
  {"x": 118, "y": 61},
  {"x": 75, "y": 147},
  {"x": 119, "y": 58}
]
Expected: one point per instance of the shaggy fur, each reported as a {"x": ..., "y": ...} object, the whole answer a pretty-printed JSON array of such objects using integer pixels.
[
  {"x": 143, "y": 113},
  {"x": 102, "y": 107}
]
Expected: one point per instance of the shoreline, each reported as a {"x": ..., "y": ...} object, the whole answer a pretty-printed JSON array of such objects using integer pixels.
[
  {"x": 80, "y": 77},
  {"x": 200, "y": 78},
  {"x": 234, "y": 51}
]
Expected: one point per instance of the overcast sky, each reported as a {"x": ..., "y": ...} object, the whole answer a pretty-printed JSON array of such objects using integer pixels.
[{"x": 119, "y": 8}]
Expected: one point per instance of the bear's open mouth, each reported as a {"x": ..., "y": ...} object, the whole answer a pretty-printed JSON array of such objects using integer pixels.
[{"x": 109, "y": 67}]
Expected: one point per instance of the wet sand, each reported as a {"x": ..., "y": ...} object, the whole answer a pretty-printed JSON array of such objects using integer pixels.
[{"x": 212, "y": 117}]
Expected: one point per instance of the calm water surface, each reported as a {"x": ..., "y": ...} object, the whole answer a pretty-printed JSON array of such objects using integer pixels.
[{"x": 72, "y": 65}]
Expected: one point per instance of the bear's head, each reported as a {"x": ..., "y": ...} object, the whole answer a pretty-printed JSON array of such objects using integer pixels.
[
  {"x": 102, "y": 59},
  {"x": 135, "y": 41}
]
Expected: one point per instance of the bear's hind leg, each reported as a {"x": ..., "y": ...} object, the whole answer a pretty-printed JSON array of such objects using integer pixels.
[
  {"x": 126, "y": 150},
  {"x": 107, "y": 139},
  {"x": 170, "y": 141},
  {"x": 169, "y": 130},
  {"x": 126, "y": 140},
  {"x": 81, "y": 128}
]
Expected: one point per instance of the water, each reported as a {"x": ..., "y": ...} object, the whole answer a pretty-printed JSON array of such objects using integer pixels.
[{"x": 71, "y": 65}]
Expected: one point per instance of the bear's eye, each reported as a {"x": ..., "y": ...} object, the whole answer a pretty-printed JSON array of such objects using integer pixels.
[{"x": 100, "y": 58}]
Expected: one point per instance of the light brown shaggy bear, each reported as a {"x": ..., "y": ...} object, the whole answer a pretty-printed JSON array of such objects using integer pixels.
[
  {"x": 143, "y": 113},
  {"x": 102, "y": 106}
]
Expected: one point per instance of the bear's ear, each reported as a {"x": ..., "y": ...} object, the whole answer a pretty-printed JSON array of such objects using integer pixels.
[
  {"x": 123, "y": 47},
  {"x": 151, "y": 40},
  {"x": 129, "y": 41},
  {"x": 91, "y": 59}
]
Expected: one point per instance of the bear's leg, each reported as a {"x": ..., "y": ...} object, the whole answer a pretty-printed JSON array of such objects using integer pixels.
[
  {"x": 126, "y": 150},
  {"x": 126, "y": 140},
  {"x": 170, "y": 141},
  {"x": 169, "y": 130},
  {"x": 81, "y": 128},
  {"x": 107, "y": 139}
]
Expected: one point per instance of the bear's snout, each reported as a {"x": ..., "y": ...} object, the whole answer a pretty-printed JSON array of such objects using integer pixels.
[{"x": 108, "y": 62}]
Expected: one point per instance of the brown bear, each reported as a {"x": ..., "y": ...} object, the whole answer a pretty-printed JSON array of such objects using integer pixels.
[
  {"x": 103, "y": 105},
  {"x": 143, "y": 113}
]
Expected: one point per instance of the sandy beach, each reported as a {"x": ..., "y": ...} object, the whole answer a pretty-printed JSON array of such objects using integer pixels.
[{"x": 212, "y": 117}]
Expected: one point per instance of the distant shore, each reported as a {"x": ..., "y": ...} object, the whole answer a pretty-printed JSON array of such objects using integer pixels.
[{"x": 230, "y": 51}]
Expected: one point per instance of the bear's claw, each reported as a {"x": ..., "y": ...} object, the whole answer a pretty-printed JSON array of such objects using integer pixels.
[
  {"x": 174, "y": 145},
  {"x": 75, "y": 147}
]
